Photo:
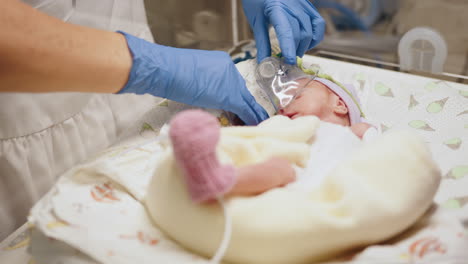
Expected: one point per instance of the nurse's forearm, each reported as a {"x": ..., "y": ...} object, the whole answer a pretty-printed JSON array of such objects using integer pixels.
[{"x": 39, "y": 53}]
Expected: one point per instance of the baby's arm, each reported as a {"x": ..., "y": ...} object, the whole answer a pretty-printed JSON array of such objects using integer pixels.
[
  {"x": 261, "y": 177},
  {"x": 365, "y": 131},
  {"x": 194, "y": 136},
  {"x": 360, "y": 129}
]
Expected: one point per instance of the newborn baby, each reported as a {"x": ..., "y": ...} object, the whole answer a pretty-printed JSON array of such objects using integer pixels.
[
  {"x": 329, "y": 102},
  {"x": 339, "y": 192},
  {"x": 321, "y": 98}
]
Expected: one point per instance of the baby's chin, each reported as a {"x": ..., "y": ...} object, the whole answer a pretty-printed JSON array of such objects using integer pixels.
[{"x": 296, "y": 115}]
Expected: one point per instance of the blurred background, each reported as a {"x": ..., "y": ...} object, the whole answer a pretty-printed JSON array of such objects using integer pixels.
[
  {"x": 362, "y": 31},
  {"x": 425, "y": 37}
]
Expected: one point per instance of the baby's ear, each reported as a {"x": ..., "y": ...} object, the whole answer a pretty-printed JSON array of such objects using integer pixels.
[{"x": 340, "y": 107}]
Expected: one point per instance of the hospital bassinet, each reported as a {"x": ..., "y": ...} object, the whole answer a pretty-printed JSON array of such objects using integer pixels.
[{"x": 437, "y": 110}]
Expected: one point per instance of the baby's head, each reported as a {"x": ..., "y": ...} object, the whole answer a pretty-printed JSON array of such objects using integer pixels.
[
  {"x": 317, "y": 99},
  {"x": 329, "y": 102}
]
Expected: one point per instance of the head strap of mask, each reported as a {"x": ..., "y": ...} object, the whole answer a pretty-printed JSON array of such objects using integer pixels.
[{"x": 279, "y": 81}]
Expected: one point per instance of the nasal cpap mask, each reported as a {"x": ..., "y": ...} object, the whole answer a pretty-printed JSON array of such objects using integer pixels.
[{"x": 279, "y": 81}]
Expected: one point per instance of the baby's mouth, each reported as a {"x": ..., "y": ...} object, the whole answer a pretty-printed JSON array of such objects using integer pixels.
[
  {"x": 295, "y": 116},
  {"x": 291, "y": 115}
]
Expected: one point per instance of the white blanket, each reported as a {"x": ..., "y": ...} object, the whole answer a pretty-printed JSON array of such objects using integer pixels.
[{"x": 354, "y": 195}]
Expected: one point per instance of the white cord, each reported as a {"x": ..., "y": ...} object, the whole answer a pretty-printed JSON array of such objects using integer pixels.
[{"x": 223, "y": 246}]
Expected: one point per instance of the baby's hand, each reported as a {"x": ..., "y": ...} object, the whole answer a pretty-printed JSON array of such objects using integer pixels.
[
  {"x": 261, "y": 177},
  {"x": 360, "y": 129}
]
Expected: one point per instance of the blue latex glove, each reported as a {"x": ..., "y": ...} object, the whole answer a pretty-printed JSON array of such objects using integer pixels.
[
  {"x": 298, "y": 26},
  {"x": 196, "y": 77}
]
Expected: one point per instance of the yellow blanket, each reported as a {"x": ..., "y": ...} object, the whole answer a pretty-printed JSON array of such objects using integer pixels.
[{"x": 373, "y": 195}]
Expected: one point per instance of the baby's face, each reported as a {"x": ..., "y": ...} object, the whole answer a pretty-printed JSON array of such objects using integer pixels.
[{"x": 314, "y": 99}]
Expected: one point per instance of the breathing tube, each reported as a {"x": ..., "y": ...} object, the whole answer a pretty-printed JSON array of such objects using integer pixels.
[{"x": 279, "y": 81}]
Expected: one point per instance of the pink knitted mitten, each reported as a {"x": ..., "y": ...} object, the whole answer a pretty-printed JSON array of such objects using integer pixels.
[{"x": 194, "y": 136}]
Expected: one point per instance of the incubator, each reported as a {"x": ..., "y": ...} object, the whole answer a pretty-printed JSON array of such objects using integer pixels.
[
  {"x": 422, "y": 37},
  {"x": 408, "y": 60}
]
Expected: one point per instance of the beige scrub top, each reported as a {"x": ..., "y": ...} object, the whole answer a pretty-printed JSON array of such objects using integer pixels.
[{"x": 42, "y": 135}]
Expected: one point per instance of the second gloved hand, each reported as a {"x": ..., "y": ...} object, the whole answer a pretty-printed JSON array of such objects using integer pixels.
[
  {"x": 196, "y": 77},
  {"x": 298, "y": 26}
]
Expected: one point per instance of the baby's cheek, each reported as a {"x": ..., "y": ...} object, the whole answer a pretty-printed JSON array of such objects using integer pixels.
[{"x": 316, "y": 111}]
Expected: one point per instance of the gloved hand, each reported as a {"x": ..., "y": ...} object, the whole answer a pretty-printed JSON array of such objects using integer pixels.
[
  {"x": 196, "y": 77},
  {"x": 298, "y": 25}
]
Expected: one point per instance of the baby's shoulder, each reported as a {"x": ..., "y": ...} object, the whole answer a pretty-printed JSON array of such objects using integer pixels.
[{"x": 359, "y": 129}]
